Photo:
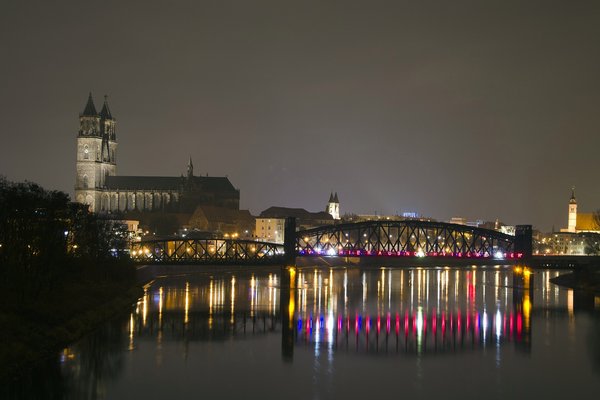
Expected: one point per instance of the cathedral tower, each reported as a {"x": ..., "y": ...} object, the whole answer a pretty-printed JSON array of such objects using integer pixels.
[
  {"x": 572, "y": 227},
  {"x": 96, "y": 154},
  {"x": 333, "y": 206}
]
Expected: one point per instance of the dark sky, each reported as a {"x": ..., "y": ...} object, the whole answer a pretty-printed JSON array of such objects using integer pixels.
[{"x": 481, "y": 109}]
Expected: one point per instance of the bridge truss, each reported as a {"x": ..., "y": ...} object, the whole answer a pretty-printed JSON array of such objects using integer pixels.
[
  {"x": 206, "y": 251},
  {"x": 404, "y": 238}
]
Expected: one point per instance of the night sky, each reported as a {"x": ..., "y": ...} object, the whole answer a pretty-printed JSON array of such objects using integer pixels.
[{"x": 481, "y": 109}]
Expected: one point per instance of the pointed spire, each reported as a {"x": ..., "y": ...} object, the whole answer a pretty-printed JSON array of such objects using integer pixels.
[
  {"x": 572, "y": 199},
  {"x": 105, "y": 113},
  {"x": 335, "y": 198},
  {"x": 90, "y": 108},
  {"x": 331, "y": 197},
  {"x": 190, "y": 168}
]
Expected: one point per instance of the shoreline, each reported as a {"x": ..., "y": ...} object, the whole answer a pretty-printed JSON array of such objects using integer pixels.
[
  {"x": 584, "y": 281},
  {"x": 36, "y": 342}
]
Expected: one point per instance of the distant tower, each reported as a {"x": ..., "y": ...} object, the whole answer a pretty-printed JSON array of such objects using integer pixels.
[
  {"x": 190, "y": 169},
  {"x": 572, "y": 212},
  {"x": 333, "y": 206},
  {"x": 96, "y": 155}
]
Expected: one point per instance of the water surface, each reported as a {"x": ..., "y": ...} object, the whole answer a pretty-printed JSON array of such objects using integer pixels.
[{"x": 318, "y": 333}]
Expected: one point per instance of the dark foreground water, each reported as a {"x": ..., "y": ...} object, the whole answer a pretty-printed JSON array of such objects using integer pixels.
[{"x": 338, "y": 333}]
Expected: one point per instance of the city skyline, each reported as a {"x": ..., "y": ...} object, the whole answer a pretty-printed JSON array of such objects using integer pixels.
[{"x": 493, "y": 120}]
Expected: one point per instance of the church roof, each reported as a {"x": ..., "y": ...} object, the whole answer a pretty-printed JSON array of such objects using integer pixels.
[
  {"x": 105, "y": 113},
  {"x": 174, "y": 183},
  {"x": 300, "y": 213},
  {"x": 586, "y": 222},
  {"x": 90, "y": 108},
  {"x": 212, "y": 213},
  {"x": 335, "y": 198}
]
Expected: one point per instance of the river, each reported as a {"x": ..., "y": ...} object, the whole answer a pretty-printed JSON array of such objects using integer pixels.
[{"x": 320, "y": 333}]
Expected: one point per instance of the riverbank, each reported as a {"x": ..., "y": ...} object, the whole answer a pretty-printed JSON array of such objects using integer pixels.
[
  {"x": 39, "y": 330},
  {"x": 584, "y": 281}
]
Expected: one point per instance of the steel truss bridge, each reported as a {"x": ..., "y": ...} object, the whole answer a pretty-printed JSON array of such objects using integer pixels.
[
  {"x": 207, "y": 251},
  {"x": 404, "y": 238},
  {"x": 409, "y": 238}
]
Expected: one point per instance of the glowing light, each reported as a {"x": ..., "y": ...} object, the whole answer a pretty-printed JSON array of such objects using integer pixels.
[
  {"x": 484, "y": 325},
  {"x": 498, "y": 324},
  {"x": 499, "y": 255},
  {"x": 187, "y": 302}
]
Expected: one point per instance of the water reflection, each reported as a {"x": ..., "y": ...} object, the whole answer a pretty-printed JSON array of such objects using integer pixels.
[
  {"x": 415, "y": 311},
  {"x": 327, "y": 315},
  {"x": 409, "y": 310}
]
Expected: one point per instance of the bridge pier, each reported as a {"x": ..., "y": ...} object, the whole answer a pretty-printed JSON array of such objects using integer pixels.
[
  {"x": 289, "y": 241},
  {"x": 287, "y": 294},
  {"x": 523, "y": 241}
]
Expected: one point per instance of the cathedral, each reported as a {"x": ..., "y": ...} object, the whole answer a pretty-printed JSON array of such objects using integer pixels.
[{"x": 98, "y": 185}]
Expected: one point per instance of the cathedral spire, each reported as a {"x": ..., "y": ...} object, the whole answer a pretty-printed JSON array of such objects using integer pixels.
[
  {"x": 90, "y": 108},
  {"x": 105, "y": 113},
  {"x": 190, "y": 168},
  {"x": 333, "y": 206},
  {"x": 572, "y": 200}
]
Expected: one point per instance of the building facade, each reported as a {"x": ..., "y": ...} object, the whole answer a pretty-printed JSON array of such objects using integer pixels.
[
  {"x": 572, "y": 222},
  {"x": 580, "y": 222},
  {"x": 304, "y": 219},
  {"x": 270, "y": 230},
  {"x": 96, "y": 153},
  {"x": 98, "y": 185},
  {"x": 333, "y": 206}
]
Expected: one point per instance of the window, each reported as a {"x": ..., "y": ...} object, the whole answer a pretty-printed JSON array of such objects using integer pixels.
[
  {"x": 86, "y": 153},
  {"x": 85, "y": 182}
]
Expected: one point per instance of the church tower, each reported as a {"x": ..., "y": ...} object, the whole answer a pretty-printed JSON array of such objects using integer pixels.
[
  {"x": 333, "y": 206},
  {"x": 190, "y": 169},
  {"x": 96, "y": 154},
  {"x": 572, "y": 227}
]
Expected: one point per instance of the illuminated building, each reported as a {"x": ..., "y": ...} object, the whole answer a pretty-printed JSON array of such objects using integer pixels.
[
  {"x": 579, "y": 222},
  {"x": 581, "y": 237},
  {"x": 572, "y": 217},
  {"x": 304, "y": 219},
  {"x": 270, "y": 229},
  {"x": 98, "y": 185},
  {"x": 333, "y": 206}
]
